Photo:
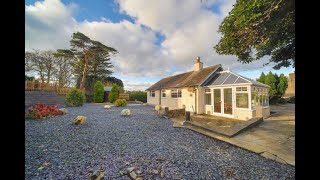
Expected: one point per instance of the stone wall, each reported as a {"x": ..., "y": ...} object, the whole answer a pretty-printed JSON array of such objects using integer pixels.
[
  {"x": 176, "y": 112},
  {"x": 291, "y": 86}
]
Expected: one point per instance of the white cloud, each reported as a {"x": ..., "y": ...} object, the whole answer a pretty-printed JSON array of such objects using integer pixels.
[
  {"x": 189, "y": 28},
  {"x": 134, "y": 85}
]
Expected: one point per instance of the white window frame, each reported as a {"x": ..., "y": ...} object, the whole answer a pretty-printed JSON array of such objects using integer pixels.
[
  {"x": 164, "y": 92},
  {"x": 173, "y": 91},
  {"x": 242, "y": 91},
  {"x": 205, "y": 96},
  {"x": 152, "y": 93}
]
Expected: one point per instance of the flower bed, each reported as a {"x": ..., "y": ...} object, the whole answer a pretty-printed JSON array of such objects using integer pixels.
[{"x": 41, "y": 110}]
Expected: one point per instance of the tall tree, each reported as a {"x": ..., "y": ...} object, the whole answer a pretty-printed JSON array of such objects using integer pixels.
[
  {"x": 257, "y": 28},
  {"x": 41, "y": 62},
  {"x": 282, "y": 85},
  {"x": 261, "y": 78},
  {"x": 88, "y": 53},
  {"x": 114, "y": 80},
  {"x": 271, "y": 81}
]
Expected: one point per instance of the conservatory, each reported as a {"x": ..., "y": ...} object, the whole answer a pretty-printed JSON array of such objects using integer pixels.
[{"x": 232, "y": 95}]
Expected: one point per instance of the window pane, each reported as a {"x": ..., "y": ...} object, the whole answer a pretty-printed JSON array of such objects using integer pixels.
[
  {"x": 217, "y": 100},
  {"x": 244, "y": 88},
  {"x": 207, "y": 90},
  {"x": 253, "y": 100},
  {"x": 238, "y": 88},
  {"x": 242, "y": 100},
  {"x": 208, "y": 98},
  {"x": 227, "y": 101}
]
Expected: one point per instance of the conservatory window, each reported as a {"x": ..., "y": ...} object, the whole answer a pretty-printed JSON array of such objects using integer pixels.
[
  {"x": 208, "y": 96},
  {"x": 152, "y": 93}
]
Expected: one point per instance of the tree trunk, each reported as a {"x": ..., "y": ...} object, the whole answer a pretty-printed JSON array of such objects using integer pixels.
[{"x": 84, "y": 74}]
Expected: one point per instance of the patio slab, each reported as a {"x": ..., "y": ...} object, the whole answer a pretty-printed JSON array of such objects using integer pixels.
[
  {"x": 224, "y": 129},
  {"x": 274, "y": 138}
]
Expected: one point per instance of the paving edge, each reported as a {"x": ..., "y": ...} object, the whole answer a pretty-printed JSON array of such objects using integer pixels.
[{"x": 231, "y": 131}]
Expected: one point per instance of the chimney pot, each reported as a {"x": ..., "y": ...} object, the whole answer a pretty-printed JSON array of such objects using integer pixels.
[{"x": 198, "y": 59}]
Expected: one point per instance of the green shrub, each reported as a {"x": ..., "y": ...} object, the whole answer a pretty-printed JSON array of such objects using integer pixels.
[
  {"x": 120, "y": 102},
  {"x": 292, "y": 100},
  {"x": 98, "y": 92},
  {"x": 282, "y": 101},
  {"x": 114, "y": 93},
  {"x": 138, "y": 95},
  {"x": 75, "y": 97}
]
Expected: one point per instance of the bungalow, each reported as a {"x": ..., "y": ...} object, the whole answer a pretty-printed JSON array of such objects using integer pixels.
[{"x": 213, "y": 91}]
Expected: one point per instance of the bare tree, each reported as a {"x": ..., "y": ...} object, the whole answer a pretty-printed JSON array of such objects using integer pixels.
[{"x": 42, "y": 62}]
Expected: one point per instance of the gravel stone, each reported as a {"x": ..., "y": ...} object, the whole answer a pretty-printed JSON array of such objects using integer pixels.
[{"x": 108, "y": 141}]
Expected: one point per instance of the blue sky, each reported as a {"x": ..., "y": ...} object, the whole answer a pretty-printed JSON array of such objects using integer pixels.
[{"x": 154, "y": 38}]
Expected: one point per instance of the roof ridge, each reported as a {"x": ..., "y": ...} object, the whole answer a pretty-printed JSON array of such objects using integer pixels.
[{"x": 191, "y": 71}]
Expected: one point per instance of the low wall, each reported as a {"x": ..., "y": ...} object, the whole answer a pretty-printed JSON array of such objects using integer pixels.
[{"x": 176, "y": 112}]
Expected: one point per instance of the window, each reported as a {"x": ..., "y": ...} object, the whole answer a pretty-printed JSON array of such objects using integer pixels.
[
  {"x": 176, "y": 93},
  {"x": 253, "y": 99},
  {"x": 244, "y": 89},
  {"x": 152, "y": 93},
  {"x": 208, "y": 96},
  {"x": 242, "y": 100},
  {"x": 163, "y": 93}
]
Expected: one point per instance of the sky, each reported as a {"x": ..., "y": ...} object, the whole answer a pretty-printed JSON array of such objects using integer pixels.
[{"x": 155, "y": 39}]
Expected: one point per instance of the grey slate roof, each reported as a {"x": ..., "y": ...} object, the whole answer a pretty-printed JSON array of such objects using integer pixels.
[{"x": 192, "y": 78}]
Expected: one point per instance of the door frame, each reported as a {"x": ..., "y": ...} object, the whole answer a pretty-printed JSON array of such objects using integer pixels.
[{"x": 222, "y": 101}]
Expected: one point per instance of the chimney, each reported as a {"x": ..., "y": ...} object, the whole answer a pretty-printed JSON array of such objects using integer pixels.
[{"x": 198, "y": 65}]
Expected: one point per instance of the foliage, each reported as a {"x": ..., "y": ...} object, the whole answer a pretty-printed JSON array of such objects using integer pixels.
[
  {"x": 271, "y": 81},
  {"x": 114, "y": 93},
  {"x": 114, "y": 80},
  {"x": 282, "y": 85},
  {"x": 257, "y": 28},
  {"x": 282, "y": 101},
  {"x": 91, "y": 57},
  {"x": 41, "y": 110},
  {"x": 261, "y": 78},
  {"x": 277, "y": 83},
  {"x": 292, "y": 100},
  {"x": 41, "y": 62},
  {"x": 98, "y": 95},
  {"x": 138, "y": 95},
  {"x": 75, "y": 97},
  {"x": 120, "y": 102},
  {"x": 29, "y": 78}
]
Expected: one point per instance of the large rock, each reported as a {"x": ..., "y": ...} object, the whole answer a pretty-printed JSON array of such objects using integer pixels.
[
  {"x": 79, "y": 120},
  {"x": 64, "y": 110},
  {"x": 125, "y": 112},
  {"x": 157, "y": 107},
  {"x": 107, "y": 107}
]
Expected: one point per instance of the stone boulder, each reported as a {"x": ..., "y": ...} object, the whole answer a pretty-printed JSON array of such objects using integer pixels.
[
  {"x": 79, "y": 120},
  {"x": 64, "y": 110},
  {"x": 157, "y": 108},
  {"x": 107, "y": 107},
  {"x": 125, "y": 112}
]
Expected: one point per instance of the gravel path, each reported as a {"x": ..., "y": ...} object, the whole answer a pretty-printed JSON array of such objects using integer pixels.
[{"x": 108, "y": 142}]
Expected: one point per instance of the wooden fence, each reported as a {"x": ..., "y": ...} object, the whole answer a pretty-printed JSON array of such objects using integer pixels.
[
  {"x": 124, "y": 96},
  {"x": 52, "y": 87}
]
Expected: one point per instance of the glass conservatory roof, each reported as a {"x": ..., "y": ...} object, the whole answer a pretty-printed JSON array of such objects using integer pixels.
[{"x": 230, "y": 78}]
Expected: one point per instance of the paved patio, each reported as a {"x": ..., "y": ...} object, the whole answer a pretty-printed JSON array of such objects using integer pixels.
[{"x": 274, "y": 138}]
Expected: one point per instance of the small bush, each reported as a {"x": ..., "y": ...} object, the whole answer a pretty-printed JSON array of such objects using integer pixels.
[
  {"x": 40, "y": 110},
  {"x": 75, "y": 97},
  {"x": 282, "y": 101},
  {"x": 138, "y": 95},
  {"x": 98, "y": 93},
  {"x": 120, "y": 102},
  {"x": 292, "y": 100},
  {"x": 114, "y": 93}
]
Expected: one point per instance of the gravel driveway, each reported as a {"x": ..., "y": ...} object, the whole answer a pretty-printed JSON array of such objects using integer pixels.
[{"x": 108, "y": 142}]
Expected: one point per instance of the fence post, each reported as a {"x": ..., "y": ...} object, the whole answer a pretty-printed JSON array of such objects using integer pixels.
[{"x": 187, "y": 115}]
